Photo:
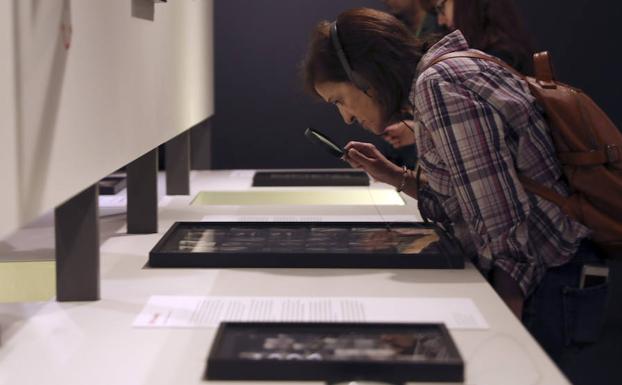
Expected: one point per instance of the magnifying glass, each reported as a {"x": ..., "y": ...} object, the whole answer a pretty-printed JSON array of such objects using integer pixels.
[{"x": 324, "y": 141}]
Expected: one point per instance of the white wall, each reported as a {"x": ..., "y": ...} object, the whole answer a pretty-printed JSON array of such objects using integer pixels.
[
  {"x": 123, "y": 86},
  {"x": 8, "y": 166}
]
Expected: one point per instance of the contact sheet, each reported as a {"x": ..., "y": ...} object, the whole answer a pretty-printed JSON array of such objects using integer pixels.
[{"x": 322, "y": 244}]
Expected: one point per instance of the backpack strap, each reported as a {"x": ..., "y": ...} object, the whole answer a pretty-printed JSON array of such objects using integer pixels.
[
  {"x": 610, "y": 154},
  {"x": 474, "y": 55},
  {"x": 545, "y": 192},
  {"x": 544, "y": 76},
  {"x": 543, "y": 67}
]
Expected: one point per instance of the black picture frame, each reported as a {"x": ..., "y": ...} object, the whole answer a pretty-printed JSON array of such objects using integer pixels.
[
  {"x": 310, "y": 178},
  {"x": 112, "y": 184},
  {"x": 334, "y": 352},
  {"x": 305, "y": 245}
]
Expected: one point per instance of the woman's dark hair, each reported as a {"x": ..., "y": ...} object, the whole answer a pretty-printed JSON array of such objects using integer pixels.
[
  {"x": 428, "y": 5},
  {"x": 380, "y": 50},
  {"x": 495, "y": 27}
]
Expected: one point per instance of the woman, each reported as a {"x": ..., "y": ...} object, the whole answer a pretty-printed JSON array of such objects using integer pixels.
[
  {"x": 492, "y": 26},
  {"x": 477, "y": 129},
  {"x": 416, "y": 15}
]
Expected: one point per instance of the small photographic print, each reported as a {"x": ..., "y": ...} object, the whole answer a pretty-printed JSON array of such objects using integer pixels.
[
  {"x": 427, "y": 346},
  {"x": 305, "y": 239},
  {"x": 310, "y": 178},
  {"x": 306, "y": 245},
  {"x": 324, "y": 351}
]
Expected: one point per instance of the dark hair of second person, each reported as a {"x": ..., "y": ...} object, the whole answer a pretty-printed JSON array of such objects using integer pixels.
[
  {"x": 492, "y": 26},
  {"x": 418, "y": 15}
]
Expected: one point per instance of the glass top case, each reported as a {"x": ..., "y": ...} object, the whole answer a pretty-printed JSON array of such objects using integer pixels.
[
  {"x": 334, "y": 351},
  {"x": 269, "y": 244}
]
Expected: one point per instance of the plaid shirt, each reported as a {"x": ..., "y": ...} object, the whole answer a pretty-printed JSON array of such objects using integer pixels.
[{"x": 478, "y": 128}]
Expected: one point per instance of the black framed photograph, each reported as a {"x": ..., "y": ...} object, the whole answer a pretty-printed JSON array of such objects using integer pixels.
[
  {"x": 306, "y": 245},
  {"x": 310, "y": 178},
  {"x": 333, "y": 352},
  {"x": 112, "y": 184}
]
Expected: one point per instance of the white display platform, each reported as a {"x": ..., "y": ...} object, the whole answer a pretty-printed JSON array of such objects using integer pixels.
[
  {"x": 95, "y": 343},
  {"x": 86, "y": 88}
]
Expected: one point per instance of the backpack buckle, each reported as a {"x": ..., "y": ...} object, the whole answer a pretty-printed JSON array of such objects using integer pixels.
[{"x": 613, "y": 153}]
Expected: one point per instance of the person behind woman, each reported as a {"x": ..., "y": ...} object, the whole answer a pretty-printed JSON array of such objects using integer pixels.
[
  {"x": 420, "y": 18},
  {"x": 418, "y": 15},
  {"x": 492, "y": 26},
  {"x": 478, "y": 128}
]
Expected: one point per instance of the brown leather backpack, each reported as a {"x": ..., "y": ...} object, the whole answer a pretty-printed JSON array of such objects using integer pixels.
[{"x": 589, "y": 148}]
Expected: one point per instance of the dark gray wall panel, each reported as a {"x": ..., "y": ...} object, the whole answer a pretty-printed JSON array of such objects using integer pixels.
[
  {"x": 261, "y": 110},
  {"x": 584, "y": 38}
]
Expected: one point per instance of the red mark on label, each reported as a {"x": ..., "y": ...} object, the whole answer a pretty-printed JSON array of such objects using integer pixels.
[
  {"x": 66, "y": 32},
  {"x": 154, "y": 319}
]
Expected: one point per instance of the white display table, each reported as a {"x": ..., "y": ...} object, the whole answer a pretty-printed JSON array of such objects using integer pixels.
[{"x": 94, "y": 342}]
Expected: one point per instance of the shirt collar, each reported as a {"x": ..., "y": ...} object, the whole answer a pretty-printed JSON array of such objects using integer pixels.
[{"x": 451, "y": 42}]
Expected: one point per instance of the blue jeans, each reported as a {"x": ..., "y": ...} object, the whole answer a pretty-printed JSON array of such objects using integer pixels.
[{"x": 561, "y": 316}]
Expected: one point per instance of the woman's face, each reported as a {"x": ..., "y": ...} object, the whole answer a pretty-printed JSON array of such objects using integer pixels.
[
  {"x": 353, "y": 104},
  {"x": 445, "y": 12}
]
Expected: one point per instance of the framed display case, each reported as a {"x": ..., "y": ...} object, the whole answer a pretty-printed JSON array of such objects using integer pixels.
[
  {"x": 333, "y": 352},
  {"x": 310, "y": 178},
  {"x": 306, "y": 245},
  {"x": 112, "y": 184}
]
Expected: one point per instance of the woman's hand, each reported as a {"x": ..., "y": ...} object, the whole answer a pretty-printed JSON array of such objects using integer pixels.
[
  {"x": 367, "y": 157},
  {"x": 400, "y": 134}
]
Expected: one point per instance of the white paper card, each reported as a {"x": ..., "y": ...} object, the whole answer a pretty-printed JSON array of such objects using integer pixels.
[
  {"x": 415, "y": 217},
  {"x": 199, "y": 311},
  {"x": 121, "y": 200},
  {"x": 112, "y": 200},
  {"x": 262, "y": 218},
  {"x": 242, "y": 174}
]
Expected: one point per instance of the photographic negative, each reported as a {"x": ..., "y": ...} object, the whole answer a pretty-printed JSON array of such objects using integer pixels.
[
  {"x": 334, "y": 346},
  {"x": 269, "y": 244},
  {"x": 324, "y": 351},
  {"x": 112, "y": 184},
  {"x": 310, "y": 178}
]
